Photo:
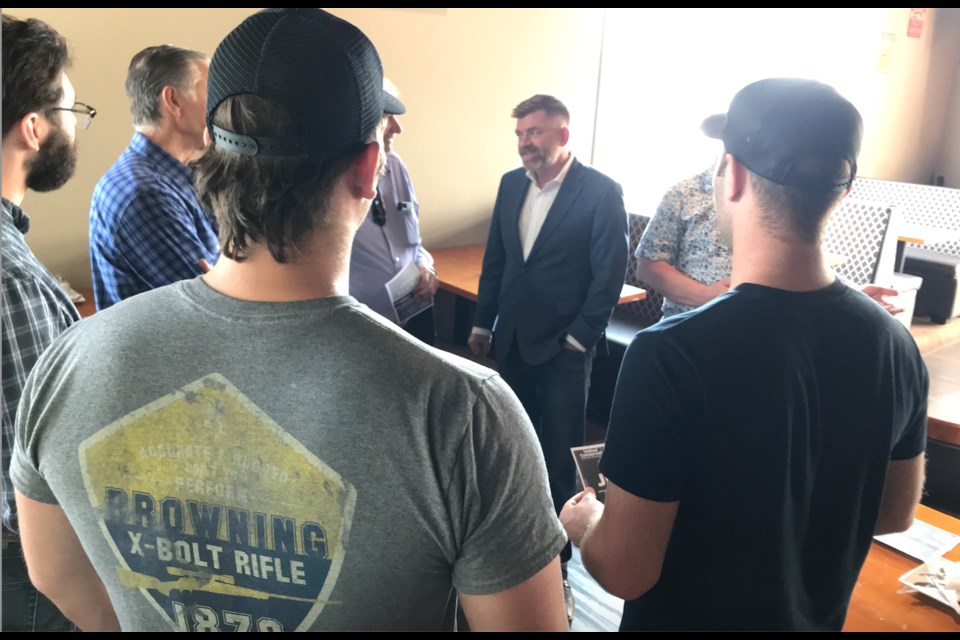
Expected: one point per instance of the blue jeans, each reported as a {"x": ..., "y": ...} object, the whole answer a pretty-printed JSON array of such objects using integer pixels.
[
  {"x": 25, "y": 608},
  {"x": 554, "y": 395}
]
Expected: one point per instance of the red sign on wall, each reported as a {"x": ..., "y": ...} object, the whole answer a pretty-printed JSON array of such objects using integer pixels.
[{"x": 915, "y": 26}]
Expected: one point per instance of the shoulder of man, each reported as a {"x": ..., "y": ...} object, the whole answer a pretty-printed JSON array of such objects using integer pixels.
[
  {"x": 514, "y": 174},
  {"x": 593, "y": 174}
]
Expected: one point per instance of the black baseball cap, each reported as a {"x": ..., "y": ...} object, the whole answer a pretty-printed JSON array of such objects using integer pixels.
[
  {"x": 321, "y": 68},
  {"x": 788, "y": 130}
]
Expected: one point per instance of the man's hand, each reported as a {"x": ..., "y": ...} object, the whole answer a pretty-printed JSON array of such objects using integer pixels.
[
  {"x": 580, "y": 513},
  {"x": 427, "y": 284},
  {"x": 479, "y": 344},
  {"x": 719, "y": 287},
  {"x": 878, "y": 293}
]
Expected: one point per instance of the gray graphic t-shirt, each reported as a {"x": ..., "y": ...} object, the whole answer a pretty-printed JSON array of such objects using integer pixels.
[{"x": 242, "y": 466}]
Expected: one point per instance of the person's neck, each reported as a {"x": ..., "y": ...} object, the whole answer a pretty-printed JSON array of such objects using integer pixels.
[
  {"x": 760, "y": 257},
  {"x": 14, "y": 176},
  {"x": 546, "y": 174},
  {"x": 171, "y": 141},
  {"x": 318, "y": 268}
]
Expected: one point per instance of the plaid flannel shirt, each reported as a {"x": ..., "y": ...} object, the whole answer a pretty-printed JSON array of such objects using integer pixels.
[
  {"x": 35, "y": 310},
  {"x": 147, "y": 228}
]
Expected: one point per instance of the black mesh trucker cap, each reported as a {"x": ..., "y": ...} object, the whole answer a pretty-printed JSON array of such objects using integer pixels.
[
  {"x": 321, "y": 68},
  {"x": 780, "y": 127}
]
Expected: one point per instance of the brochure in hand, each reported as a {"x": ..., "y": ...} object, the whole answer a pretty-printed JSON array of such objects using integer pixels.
[{"x": 587, "y": 459}]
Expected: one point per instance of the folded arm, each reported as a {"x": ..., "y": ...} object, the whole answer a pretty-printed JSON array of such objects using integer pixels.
[
  {"x": 160, "y": 241},
  {"x": 675, "y": 285}
]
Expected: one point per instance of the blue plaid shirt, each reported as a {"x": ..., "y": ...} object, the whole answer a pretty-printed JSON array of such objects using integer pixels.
[
  {"x": 147, "y": 228},
  {"x": 35, "y": 310}
]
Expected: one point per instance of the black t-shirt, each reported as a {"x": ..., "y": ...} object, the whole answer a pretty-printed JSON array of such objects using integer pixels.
[{"x": 771, "y": 417}]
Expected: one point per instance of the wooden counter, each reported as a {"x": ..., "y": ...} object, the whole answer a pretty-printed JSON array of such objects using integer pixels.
[
  {"x": 458, "y": 270},
  {"x": 876, "y": 605}
]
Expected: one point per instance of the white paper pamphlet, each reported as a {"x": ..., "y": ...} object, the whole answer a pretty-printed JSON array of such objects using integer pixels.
[
  {"x": 587, "y": 459},
  {"x": 400, "y": 288},
  {"x": 921, "y": 541},
  {"x": 937, "y": 578}
]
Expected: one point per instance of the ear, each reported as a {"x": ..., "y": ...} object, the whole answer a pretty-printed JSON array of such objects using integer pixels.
[
  {"x": 735, "y": 178},
  {"x": 365, "y": 171},
  {"x": 206, "y": 137},
  {"x": 169, "y": 101},
  {"x": 32, "y": 129},
  {"x": 564, "y": 136}
]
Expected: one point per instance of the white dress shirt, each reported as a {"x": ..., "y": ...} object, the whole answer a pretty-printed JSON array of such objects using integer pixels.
[
  {"x": 534, "y": 211},
  {"x": 536, "y": 206}
]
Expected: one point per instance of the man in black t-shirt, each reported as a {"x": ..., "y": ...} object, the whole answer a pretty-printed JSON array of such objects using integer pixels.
[{"x": 756, "y": 444}]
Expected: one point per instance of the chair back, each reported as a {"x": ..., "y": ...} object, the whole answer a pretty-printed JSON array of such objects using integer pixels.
[
  {"x": 862, "y": 232},
  {"x": 941, "y": 490},
  {"x": 648, "y": 311},
  {"x": 920, "y": 204}
]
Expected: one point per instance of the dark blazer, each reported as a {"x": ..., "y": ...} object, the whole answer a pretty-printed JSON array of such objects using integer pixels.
[{"x": 572, "y": 279}]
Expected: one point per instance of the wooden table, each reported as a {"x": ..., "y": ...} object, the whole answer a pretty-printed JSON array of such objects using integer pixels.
[
  {"x": 87, "y": 308},
  {"x": 876, "y": 605},
  {"x": 458, "y": 270},
  {"x": 920, "y": 234}
]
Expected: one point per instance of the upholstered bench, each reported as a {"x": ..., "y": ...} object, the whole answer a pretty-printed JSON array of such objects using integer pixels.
[{"x": 938, "y": 296}]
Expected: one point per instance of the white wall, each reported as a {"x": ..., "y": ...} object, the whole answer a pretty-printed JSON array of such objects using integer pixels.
[{"x": 460, "y": 73}]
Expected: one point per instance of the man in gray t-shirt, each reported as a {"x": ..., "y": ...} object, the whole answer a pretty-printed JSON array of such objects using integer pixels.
[{"x": 247, "y": 450}]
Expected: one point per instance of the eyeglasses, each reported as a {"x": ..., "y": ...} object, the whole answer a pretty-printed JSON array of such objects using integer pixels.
[
  {"x": 86, "y": 111},
  {"x": 377, "y": 211}
]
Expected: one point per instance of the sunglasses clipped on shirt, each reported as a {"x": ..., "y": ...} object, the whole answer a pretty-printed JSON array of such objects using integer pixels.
[{"x": 377, "y": 210}]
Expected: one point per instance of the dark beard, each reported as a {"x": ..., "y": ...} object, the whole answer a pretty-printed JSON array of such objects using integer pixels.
[{"x": 54, "y": 164}]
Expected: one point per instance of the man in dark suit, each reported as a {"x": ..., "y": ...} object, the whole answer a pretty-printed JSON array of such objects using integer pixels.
[{"x": 552, "y": 273}]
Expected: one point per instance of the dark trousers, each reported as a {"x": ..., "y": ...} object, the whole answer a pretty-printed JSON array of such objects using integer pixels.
[
  {"x": 555, "y": 396},
  {"x": 422, "y": 326},
  {"x": 25, "y": 608}
]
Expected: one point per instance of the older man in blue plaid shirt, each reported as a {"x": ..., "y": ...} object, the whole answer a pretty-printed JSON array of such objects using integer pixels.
[{"x": 147, "y": 228}]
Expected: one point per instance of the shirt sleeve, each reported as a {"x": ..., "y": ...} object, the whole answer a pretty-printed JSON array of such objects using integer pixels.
[
  {"x": 655, "y": 406},
  {"x": 913, "y": 440},
  {"x": 424, "y": 258},
  {"x": 501, "y": 507},
  {"x": 661, "y": 239},
  {"x": 157, "y": 235}
]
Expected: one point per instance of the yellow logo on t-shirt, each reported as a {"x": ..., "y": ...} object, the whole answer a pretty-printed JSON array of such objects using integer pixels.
[{"x": 216, "y": 514}]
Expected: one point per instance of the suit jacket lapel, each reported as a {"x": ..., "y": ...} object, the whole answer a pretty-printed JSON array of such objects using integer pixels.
[
  {"x": 511, "y": 220},
  {"x": 569, "y": 189}
]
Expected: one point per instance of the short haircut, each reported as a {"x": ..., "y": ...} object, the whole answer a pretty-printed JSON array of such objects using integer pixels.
[
  {"x": 551, "y": 105},
  {"x": 271, "y": 200},
  {"x": 799, "y": 213},
  {"x": 34, "y": 59},
  {"x": 150, "y": 71}
]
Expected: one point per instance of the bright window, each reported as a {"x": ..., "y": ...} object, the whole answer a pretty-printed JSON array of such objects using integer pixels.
[{"x": 664, "y": 70}]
